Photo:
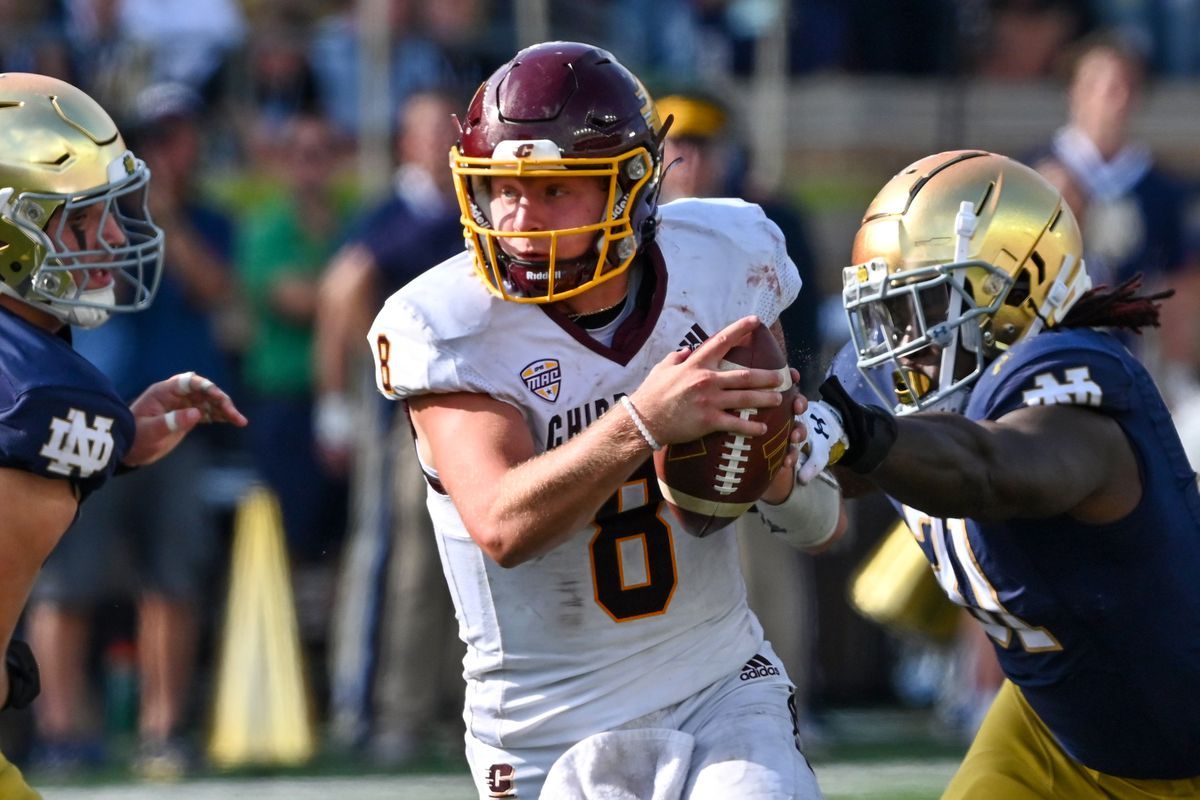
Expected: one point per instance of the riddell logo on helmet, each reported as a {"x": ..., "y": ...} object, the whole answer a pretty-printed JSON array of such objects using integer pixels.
[
  {"x": 758, "y": 667},
  {"x": 524, "y": 151},
  {"x": 619, "y": 206}
]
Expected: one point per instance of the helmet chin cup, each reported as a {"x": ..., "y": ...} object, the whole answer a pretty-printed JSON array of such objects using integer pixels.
[
  {"x": 87, "y": 317},
  {"x": 92, "y": 308},
  {"x": 532, "y": 278}
]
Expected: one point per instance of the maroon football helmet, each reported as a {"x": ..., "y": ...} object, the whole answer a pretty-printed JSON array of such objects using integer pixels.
[{"x": 560, "y": 106}]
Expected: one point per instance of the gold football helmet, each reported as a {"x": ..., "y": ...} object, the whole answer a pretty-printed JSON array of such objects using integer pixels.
[
  {"x": 959, "y": 257},
  {"x": 560, "y": 110},
  {"x": 64, "y": 170}
]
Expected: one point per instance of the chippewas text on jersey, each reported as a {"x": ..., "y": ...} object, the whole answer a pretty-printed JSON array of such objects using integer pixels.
[{"x": 573, "y": 421}]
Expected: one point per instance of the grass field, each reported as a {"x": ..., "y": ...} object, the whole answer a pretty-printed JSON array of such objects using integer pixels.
[
  {"x": 861, "y": 755},
  {"x": 885, "y": 780}
]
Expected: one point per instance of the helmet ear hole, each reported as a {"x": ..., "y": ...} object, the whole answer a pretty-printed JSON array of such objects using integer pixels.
[
  {"x": 1040, "y": 263},
  {"x": 1019, "y": 292}
]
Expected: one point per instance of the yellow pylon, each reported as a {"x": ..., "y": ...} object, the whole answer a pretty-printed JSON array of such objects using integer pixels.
[
  {"x": 894, "y": 586},
  {"x": 261, "y": 714}
]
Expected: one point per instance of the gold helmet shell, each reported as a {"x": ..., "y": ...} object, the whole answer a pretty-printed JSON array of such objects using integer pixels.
[
  {"x": 961, "y": 255},
  {"x": 62, "y": 156}
]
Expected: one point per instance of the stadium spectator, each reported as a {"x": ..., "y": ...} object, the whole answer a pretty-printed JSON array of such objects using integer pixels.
[
  {"x": 1038, "y": 469},
  {"x": 662, "y": 37},
  {"x": 187, "y": 42},
  {"x": 1024, "y": 39},
  {"x": 109, "y": 64},
  {"x": 284, "y": 246},
  {"x": 1169, "y": 33},
  {"x": 708, "y": 161},
  {"x": 66, "y": 428},
  {"x": 598, "y": 642},
  {"x": 33, "y": 38},
  {"x": 281, "y": 82},
  {"x": 1132, "y": 210},
  {"x": 414, "y": 62},
  {"x": 394, "y": 664},
  {"x": 470, "y": 35},
  {"x": 156, "y": 517}
]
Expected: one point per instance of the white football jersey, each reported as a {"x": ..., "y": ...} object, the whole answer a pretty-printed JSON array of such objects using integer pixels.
[{"x": 630, "y": 614}]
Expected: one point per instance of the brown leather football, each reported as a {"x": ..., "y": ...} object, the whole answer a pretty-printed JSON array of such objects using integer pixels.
[{"x": 710, "y": 482}]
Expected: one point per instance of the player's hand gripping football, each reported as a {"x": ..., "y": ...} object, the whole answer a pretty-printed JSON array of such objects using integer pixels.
[
  {"x": 687, "y": 395},
  {"x": 169, "y": 409}
]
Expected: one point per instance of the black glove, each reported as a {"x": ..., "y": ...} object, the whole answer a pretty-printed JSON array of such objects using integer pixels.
[
  {"x": 24, "y": 682},
  {"x": 871, "y": 431}
]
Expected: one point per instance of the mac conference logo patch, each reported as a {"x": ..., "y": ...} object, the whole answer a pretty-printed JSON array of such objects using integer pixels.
[{"x": 543, "y": 378}]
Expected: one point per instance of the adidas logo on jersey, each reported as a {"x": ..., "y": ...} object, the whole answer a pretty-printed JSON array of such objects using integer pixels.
[
  {"x": 758, "y": 667},
  {"x": 693, "y": 338}
]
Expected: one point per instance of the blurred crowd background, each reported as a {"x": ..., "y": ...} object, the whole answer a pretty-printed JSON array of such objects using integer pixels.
[{"x": 299, "y": 153}]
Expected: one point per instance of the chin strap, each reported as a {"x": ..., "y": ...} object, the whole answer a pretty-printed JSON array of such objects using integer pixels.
[{"x": 964, "y": 229}]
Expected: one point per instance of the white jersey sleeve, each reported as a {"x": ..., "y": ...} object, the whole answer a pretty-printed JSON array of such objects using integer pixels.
[
  {"x": 751, "y": 247},
  {"x": 423, "y": 337}
]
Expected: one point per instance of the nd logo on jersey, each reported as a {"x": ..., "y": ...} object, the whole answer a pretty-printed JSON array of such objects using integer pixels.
[
  {"x": 74, "y": 444},
  {"x": 543, "y": 377},
  {"x": 1077, "y": 389}
]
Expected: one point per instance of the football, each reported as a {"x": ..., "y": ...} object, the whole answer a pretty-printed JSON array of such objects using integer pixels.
[{"x": 711, "y": 481}]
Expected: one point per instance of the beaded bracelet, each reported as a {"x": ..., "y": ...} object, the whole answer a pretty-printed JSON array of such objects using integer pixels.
[{"x": 641, "y": 426}]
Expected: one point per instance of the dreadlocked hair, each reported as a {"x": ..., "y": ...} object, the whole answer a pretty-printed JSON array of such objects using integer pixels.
[{"x": 1122, "y": 307}]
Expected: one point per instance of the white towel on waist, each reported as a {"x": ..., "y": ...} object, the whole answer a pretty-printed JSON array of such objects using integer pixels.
[{"x": 643, "y": 764}]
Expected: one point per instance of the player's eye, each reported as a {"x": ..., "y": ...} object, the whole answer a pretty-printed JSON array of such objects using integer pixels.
[{"x": 935, "y": 304}]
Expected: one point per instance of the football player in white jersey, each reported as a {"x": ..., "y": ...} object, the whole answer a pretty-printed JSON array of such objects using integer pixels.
[{"x": 607, "y": 650}]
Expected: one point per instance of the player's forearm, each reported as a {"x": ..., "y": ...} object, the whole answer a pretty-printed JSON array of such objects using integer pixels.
[
  {"x": 543, "y": 501},
  {"x": 946, "y": 465},
  {"x": 343, "y": 316}
]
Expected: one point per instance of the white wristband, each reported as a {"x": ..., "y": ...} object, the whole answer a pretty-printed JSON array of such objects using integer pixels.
[
  {"x": 641, "y": 426},
  {"x": 334, "y": 422}
]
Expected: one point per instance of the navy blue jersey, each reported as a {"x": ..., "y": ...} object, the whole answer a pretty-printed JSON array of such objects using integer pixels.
[
  {"x": 59, "y": 416},
  {"x": 1098, "y": 624}
]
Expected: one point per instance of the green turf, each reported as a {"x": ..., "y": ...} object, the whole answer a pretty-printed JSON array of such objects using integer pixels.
[{"x": 857, "y": 755}]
